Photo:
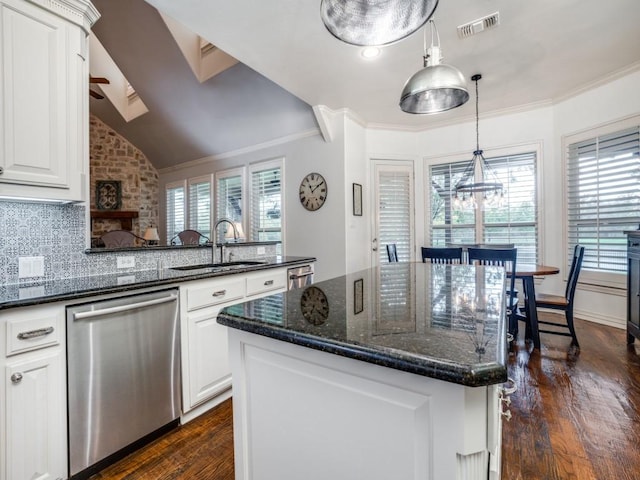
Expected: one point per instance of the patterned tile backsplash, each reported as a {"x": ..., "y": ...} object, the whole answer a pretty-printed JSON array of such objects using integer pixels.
[{"x": 57, "y": 233}]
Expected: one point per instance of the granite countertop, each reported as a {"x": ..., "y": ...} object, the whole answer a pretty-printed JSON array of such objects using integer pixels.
[
  {"x": 35, "y": 293},
  {"x": 441, "y": 321}
]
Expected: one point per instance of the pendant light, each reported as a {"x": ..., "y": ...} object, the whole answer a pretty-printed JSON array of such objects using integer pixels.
[
  {"x": 437, "y": 87},
  {"x": 490, "y": 187},
  {"x": 375, "y": 22}
]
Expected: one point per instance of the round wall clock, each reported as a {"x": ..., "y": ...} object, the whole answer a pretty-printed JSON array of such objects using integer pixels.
[
  {"x": 313, "y": 191},
  {"x": 314, "y": 306}
]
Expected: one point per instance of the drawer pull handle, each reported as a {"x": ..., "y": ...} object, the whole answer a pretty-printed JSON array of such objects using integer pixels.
[
  {"x": 41, "y": 332},
  {"x": 219, "y": 293},
  {"x": 16, "y": 378},
  {"x": 268, "y": 282}
]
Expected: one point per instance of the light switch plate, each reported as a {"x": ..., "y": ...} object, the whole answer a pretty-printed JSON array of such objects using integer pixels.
[
  {"x": 29, "y": 267},
  {"x": 126, "y": 262}
]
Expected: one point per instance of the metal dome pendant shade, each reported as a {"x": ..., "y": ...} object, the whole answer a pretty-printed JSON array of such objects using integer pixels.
[
  {"x": 375, "y": 22},
  {"x": 437, "y": 87},
  {"x": 489, "y": 186}
]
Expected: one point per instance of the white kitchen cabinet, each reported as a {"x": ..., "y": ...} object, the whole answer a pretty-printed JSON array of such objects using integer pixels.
[
  {"x": 33, "y": 400},
  {"x": 44, "y": 117},
  {"x": 205, "y": 353}
]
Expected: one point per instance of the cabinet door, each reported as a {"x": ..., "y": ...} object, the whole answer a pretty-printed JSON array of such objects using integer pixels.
[
  {"x": 208, "y": 356},
  {"x": 35, "y": 416}
]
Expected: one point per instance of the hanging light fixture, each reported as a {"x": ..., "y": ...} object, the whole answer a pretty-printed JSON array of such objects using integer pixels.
[
  {"x": 375, "y": 22},
  {"x": 437, "y": 87},
  {"x": 489, "y": 185}
]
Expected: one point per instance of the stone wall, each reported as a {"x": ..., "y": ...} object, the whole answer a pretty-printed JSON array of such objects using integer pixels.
[{"x": 113, "y": 157}]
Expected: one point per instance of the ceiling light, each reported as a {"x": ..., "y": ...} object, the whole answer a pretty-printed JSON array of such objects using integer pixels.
[
  {"x": 370, "y": 52},
  {"x": 489, "y": 185},
  {"x": 437, "y": 87},
  {"x": 375, "y": 22}
]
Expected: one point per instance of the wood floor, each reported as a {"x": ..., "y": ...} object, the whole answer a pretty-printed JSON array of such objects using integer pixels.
[{"x": 575, "y": 416}]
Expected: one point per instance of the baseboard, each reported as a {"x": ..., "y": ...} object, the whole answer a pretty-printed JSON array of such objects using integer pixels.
[
  {"x": 205, "y": 407},
  {"x": 601, "y": 319}
]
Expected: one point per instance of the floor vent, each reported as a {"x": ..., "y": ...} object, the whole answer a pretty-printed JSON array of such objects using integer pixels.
[{"x": 479, "y": 25}]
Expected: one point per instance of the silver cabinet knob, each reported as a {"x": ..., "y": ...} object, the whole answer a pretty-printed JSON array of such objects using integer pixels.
[{"x": 16, "y": 378}]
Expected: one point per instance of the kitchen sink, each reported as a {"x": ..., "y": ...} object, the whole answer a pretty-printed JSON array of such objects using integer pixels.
[{"x": 221, "y": 266}]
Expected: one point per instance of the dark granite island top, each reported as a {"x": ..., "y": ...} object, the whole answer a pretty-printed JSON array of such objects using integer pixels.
[{"x": 440, "y": 321}]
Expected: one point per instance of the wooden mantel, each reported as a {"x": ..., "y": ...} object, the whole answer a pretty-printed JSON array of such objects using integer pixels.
[{"x": 125, "y": 216}]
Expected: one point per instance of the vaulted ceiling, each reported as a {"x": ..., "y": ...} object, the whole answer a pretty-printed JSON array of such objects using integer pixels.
[{"x": 541, "y": 52}]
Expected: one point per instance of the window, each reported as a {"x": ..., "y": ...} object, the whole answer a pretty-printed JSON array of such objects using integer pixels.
[
  {"x": 603, "y": 197},
  {"x": 514, "y": 221},
  {"x": 200, "y": 205},
  {"x": 229, "y": 199},
  {"x": 266, "y": 201},
  {"x": 175, "y": 208}
]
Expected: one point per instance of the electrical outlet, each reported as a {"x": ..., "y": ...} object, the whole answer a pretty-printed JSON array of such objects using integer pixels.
[
  {"x": 29, "y": 267},
  {"x": 126, "y": 262}
]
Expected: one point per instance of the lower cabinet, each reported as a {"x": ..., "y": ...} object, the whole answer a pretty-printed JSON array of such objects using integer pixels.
[
  {"x": 205, "y": 352},
  {"x": 633, "y": 287},
  {"x": 33, "y": 401}
]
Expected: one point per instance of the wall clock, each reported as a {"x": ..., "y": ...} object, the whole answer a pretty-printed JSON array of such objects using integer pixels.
[
  {"x": 313, "y": 191},
  {"x": 314, "y": 306}
]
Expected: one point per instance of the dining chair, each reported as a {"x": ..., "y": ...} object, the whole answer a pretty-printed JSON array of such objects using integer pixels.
[
  {"x": 564, "y": 303},
  {"x": 189, "y": 237},
  {"x": 442, "y": 254},
  {"x": 504, "y": 257},
  {"x": 392, "y": 252}
]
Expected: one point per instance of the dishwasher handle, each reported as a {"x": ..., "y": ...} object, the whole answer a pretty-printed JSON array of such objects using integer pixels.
[
  {"x": 123, "y": 308},
  {"x": 294, "y": 276}
]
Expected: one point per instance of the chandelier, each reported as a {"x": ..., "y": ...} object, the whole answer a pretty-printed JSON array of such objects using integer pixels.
[{"x": 489, "y": 186}]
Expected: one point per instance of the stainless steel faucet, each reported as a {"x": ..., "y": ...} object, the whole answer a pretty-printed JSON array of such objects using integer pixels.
[{"x": 215, "y": 239}]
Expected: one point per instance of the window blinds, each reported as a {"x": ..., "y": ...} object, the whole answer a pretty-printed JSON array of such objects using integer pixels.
[
  {"x": 229, "y": 200},
  {"x": 516, "y": 221},
  {"x": 394, "y": 213},
  {"x": 175, "y": 210},
  {"x": 603, "y": 197},
  {"x": 200, "y": 206},
  {"x": 266, "y": 215}
]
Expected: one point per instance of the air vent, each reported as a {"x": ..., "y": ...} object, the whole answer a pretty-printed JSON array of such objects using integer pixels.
[{"x": 479, "y": 25}]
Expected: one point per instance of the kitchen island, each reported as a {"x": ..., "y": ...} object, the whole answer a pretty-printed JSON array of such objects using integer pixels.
[{"x": 388, "y": 373}]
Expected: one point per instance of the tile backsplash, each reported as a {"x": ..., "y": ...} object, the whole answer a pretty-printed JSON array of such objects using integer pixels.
[{"x": 58, "y": 232}]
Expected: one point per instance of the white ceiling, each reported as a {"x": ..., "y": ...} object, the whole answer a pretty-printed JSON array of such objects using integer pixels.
[{"x": 542, "y": 51}]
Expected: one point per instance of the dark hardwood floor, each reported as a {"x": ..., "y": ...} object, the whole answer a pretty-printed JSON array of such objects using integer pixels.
[{"x": 575, "y": 416}]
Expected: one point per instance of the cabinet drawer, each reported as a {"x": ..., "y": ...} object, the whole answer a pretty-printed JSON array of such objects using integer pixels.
[
  {"x": 215, "y": 292},
  {"x": 266, "y": 281},
  {"x": 36, "y": 331}
]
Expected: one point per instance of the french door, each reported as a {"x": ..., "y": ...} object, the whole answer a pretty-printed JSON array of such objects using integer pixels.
[{"x": 393, "y": 210}]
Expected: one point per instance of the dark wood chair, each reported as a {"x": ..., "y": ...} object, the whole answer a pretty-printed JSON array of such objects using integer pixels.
[
  {"x": 122, "y": 238},
  {"x": 392, "y": 252},
  {"x": 189, "y": 237},
  {"x": 564, "y": 303},
  {"x": 504, "y": 257},
  {"x": 442, "y": 254}
]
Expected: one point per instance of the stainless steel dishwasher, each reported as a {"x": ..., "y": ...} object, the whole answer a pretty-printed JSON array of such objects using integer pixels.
[
  {"x": 299, "y": 277},
  {"x": 123, "y": 358}
]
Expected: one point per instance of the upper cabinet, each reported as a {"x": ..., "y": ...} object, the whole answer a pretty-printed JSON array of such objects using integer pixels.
[{"x": 44, "y": 101}]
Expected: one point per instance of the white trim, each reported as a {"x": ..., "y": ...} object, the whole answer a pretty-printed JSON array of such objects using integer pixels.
[{"x": 600, "y": 318}]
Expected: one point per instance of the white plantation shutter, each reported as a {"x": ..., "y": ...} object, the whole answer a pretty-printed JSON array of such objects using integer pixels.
[
  {"x": 175, "y": 194},
  {"x": 603, "y": 197},
  {"x": 200, "y": 205},
  {"x": 449, "y": 226},
  {"x": 229, "y": 200},
  {"x": 395, "y": 212},
  {"x": 516, "y": 221},
  {"x": 266, "y": 204}
]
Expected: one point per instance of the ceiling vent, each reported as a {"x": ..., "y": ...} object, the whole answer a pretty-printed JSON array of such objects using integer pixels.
[{"x": 479, "y": 25}]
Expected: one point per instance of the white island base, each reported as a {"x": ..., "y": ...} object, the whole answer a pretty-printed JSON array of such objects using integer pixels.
[{"x": 304, "y": 414}]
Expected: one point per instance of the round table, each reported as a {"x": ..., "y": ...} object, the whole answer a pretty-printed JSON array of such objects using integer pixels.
[{"x": 526, "y": 272}]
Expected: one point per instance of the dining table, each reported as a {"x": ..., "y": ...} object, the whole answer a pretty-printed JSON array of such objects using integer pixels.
[{"x": 527, "y": 272}]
